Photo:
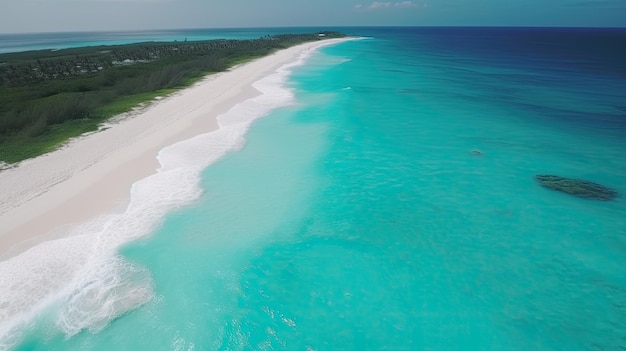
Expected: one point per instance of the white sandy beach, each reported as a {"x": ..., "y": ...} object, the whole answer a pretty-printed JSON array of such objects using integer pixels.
[{"x": 93, "y": 174}]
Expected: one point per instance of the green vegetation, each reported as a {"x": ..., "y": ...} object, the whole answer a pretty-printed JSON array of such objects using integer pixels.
[{"x": 47, "y": 97}]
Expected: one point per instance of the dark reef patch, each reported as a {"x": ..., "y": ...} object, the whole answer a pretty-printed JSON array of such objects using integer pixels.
[{"x": 577, "y": 187}]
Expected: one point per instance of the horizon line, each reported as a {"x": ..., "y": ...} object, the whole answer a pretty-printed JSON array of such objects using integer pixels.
[{"x": 306, "y": 27}]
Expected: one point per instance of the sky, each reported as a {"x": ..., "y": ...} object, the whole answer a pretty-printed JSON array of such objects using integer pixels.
[{"x": 26, "y": 16}]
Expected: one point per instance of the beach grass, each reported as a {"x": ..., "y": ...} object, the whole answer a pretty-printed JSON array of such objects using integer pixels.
[{"x": 21, "y": 148}]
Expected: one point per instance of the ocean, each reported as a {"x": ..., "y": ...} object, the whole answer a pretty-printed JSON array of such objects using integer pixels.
[{"x": 386, "y": 200}]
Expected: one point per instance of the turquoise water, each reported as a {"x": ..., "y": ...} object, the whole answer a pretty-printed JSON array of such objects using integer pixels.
[{"x": 359, "y": 218}]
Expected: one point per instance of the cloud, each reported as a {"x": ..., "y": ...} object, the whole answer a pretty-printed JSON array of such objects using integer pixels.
[{"x": 385, "y": 5}]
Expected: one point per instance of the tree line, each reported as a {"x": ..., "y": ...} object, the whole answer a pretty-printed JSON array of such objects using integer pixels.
[{"x": 67, "y": 92}]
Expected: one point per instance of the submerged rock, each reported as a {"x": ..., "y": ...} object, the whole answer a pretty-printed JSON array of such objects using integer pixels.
[{"x": 577, "y": 187}]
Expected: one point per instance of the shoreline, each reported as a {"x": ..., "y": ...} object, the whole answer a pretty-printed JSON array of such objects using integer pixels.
[{"x": 44, "y": 197}]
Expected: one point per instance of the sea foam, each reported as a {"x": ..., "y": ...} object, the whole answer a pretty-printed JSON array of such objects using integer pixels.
[{"x": 80, "y": 281}]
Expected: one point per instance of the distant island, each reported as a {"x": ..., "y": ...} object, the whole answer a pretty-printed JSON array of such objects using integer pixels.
[{"x": 49, "y": 96}]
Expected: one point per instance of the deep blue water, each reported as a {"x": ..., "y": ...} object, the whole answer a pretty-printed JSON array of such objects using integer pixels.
[{"x": 361, "y": 217}]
